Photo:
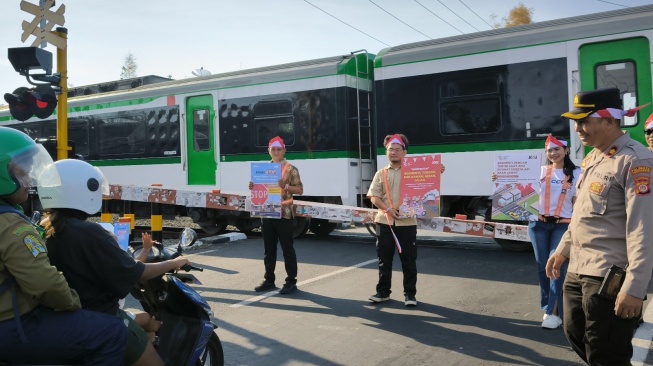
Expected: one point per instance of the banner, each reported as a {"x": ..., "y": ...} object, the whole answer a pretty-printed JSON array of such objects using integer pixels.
[
  {"x": 420, "y": 186},
  {"x": 265, "y": 198},
  {"x": 516, "y": 189}
]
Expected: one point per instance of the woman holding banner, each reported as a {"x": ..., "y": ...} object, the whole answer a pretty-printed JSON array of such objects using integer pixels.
[{"x": 557, "y": 196}]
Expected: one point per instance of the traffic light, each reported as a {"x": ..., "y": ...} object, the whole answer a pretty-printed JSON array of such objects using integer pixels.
[
  {"x": 25, "y": 103},
  {"x": 18, "y": 105},
  {"x": 40, "y": 101}
]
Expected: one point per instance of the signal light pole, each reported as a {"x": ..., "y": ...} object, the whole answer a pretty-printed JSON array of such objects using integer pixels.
[{"x": 62, "y": 109}]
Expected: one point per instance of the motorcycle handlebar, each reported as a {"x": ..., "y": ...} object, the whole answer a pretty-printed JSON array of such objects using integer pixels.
[{"x": 188, "y": 268}]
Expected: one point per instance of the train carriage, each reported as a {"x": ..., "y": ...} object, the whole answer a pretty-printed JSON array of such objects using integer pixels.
[
  {"x": 202, "y": 133},
  {"x": 503, "y": 90}
]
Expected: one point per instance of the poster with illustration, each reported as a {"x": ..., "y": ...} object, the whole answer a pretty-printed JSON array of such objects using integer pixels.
[
  {"x": 265, "y": 198},
  {"x": 420, "y": 186},
  {"x": 516, "y": 189}
]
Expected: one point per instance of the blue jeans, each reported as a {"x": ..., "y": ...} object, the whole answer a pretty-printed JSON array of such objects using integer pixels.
[{"x": 545, "y": 237}]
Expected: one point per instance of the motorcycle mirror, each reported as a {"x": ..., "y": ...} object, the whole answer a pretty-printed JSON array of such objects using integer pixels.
[{"x": 187, "y": 238}]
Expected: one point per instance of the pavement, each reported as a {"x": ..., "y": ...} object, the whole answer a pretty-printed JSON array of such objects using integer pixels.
[{"x": 642, "y": 341}]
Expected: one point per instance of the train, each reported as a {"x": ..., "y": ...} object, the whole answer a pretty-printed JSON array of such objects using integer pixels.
[{"x": 464, "y": 97}]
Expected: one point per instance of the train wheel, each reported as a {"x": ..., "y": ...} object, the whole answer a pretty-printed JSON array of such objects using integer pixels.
[
  {"x": 213, "y": 227},
  {"x": 245, "y": 226},
  {"x": 514, "y": 245},
  {"x": 300, "y": 227},
  {"x": 321, "y": 227}
]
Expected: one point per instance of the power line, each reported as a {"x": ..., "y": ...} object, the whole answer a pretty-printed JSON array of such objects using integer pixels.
[
  {"x": 345, "y": 23},
  {"x": 400, "y": 20},
  {"x": 427, "y": 9},
  {"x": 456, "y": 14},
  {"x": 607, "y": 2},
  {"x": 470, "y": 9}
]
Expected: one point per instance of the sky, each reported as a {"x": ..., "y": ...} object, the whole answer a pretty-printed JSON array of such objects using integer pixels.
[{"x": 174, "y": 38}]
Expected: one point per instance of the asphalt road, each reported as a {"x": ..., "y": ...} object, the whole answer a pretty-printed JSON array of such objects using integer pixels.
[{"x": 478, "y": 305}]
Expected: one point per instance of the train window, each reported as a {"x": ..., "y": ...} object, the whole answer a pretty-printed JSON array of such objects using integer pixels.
[
  {"x": 476, "y": 86},
  {"x": 620, "y": 75},
  {"x": 267, "y": 128},
  {"x": 470, "y": 103},
  {"x": 471, "y": 116},
  {"x": 201, "y": 130},
  {"x": 274, "y": 118},
  {"x": 121, "y": 135},
  {"x": 78, "y": 134}
]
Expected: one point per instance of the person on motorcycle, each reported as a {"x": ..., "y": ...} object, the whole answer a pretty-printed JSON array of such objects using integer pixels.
[
  {"x": 89, "y": 256},
  {"x": 40, "y": 317}
]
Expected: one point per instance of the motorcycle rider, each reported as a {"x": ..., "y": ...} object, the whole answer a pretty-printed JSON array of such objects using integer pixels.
[
  {"x": 40, "y": 320},
  {"x": 89, "y": 256}
]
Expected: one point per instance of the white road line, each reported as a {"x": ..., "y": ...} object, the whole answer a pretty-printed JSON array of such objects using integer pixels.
[
  {"x": 643, "y": 338},
  {"x": 272, "y": 293}
]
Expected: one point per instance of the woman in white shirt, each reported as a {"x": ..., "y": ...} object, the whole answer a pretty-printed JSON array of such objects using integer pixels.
[{"x": 557, "y": 196}]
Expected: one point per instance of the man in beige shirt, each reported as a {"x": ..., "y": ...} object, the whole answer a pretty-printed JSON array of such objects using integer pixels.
[
  {"x": 394, "y": 231},
  {"x": 611, "y": 225}
]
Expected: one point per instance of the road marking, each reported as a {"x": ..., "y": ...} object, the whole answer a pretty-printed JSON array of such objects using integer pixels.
[
  {"x": 272, "y": 293},
  {"x": 643, "y": 338}
]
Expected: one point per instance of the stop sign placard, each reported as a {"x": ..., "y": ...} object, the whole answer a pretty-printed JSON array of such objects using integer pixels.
[{"x": 259, "y": 194}]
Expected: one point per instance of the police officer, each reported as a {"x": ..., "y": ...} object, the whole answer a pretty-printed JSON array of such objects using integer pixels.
[
  {"x": 40, "y": 320},
  {"x": 611, "y": 225}
]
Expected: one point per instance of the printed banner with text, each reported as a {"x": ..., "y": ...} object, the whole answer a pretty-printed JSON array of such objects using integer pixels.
[
  {"x": 265, "y": 198},
  {"x": 420, "y": 186},
  {"x": 516, "y": 189}
]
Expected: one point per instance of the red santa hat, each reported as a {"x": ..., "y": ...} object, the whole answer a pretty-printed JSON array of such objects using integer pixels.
[
  {"x": 276, "y": 142},
  {"x": 552, "y": 142},
  {"x": 396, "y": 139}
]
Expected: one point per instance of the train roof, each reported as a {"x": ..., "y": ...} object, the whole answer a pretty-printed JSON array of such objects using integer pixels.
[
  {"x": 282, "y": 72},
  {"x": 551, "y": 31}
]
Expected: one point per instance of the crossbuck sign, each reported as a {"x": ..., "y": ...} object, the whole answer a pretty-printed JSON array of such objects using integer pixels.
[{"x": 47, "y": 19}]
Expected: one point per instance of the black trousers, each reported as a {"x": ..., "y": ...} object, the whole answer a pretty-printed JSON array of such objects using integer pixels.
[
  {"x": 385, "y": 251},
  {"x": 597, "y": 335},
  {"x": 279, "y": 230}
]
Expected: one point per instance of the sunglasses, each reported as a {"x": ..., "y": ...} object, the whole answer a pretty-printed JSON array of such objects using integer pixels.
[{"x": 648, "y": 132}]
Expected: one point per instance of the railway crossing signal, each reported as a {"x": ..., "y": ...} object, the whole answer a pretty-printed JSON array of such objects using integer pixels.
[
  {"x": 25, "y": 103},
  {"x": 40, "y": 101},
  {"x": 43, "y": 22}
]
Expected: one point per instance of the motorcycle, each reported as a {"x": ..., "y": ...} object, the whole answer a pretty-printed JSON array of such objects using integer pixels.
[{"x": 186, "y": 336}]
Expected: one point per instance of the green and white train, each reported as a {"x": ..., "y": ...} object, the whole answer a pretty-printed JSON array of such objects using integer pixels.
[{"x": 465, "y": 97}]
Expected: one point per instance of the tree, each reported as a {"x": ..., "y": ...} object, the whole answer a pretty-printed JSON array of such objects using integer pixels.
[
  {"x": 519, "y": 15},
  {"x": 129, "y": 68}
]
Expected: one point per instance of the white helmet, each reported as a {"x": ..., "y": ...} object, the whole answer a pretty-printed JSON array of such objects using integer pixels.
[{"x": 81, "y": 186}]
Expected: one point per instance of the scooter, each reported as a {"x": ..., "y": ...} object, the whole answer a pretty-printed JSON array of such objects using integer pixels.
[{"x": 186, "y": 336}]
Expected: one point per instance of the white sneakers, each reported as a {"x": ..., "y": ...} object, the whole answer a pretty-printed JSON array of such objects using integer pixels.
[{"x": 551, "y": 321}]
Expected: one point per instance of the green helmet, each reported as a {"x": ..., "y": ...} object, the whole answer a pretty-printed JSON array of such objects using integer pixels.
[{"x": 21, "y": 161}]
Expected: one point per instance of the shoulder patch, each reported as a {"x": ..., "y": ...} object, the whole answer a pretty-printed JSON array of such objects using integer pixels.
[
  {"x": 34, "y": 245},
  {"x": 640, "y": 170},
  {"x": 23, "y": 229},
  {"x": 642, "y": 185}
]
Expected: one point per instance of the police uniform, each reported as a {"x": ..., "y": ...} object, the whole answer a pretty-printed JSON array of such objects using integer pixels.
[
  {"x": 45, "y": 304},
  {"x": 611, "y": 225},
  {"x": 405, "y": 229}
]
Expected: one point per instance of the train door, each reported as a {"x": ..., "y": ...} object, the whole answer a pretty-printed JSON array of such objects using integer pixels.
[
  {"x": 625, "y": 64},
  {"x": 200, "y": 142}
]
